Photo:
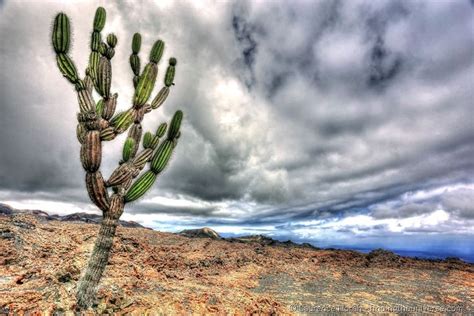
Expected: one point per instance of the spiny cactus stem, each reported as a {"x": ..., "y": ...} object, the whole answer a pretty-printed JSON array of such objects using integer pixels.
[{"x": 97, "y": 123}]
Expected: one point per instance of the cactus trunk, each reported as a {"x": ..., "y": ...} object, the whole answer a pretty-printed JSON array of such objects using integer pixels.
[{"x": 87, "y": 288}]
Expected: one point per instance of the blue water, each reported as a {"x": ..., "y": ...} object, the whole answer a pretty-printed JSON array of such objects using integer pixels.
[{"x": 413, "y": 253}]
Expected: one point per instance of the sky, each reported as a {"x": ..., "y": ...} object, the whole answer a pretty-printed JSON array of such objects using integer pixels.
[{"x": 340, "y": 123}]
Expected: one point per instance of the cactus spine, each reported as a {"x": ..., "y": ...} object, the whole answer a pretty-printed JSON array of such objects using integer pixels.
[{"x": 97, "y": 122}]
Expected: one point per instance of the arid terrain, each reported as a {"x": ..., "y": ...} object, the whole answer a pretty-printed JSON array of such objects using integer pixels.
[{"x": 165, "y": 274}]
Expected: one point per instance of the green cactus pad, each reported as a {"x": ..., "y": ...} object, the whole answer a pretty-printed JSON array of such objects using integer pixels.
[
  {"x": 107, "y": 133},
  {"x": 67, "y": 68},
  {"x": 86, "y": 103},
  {"x": 94, "y": 58},
  {"x": 146, "y": 84},
  {"x": 89, "y": 85},
  {"x": 81, "y": 132},
  {"x": 123, "y": 120},
  {"x": 173, "y": 61},
  {"x": 79, "y": 85},
  {"x": 136, "y": 43},
  {"x": 140, "y": 186},
  {"x": 147, "y": 138},
  {"x": 103, "y": 48},
  {"x": 157, "y": 51},
  {"x": 96, "y": 40},
  {"x": 161, "y": 129},
  {"x": 162, "y": 156},
  {"x": 109, "y": 53},
  {"x": 141, "y": 159},
  {"x": 135, "y": 64},
  {"x": 160, "y": 98},
  {"x": 175, "y": 125},
  {"x": 154, "y": 142},
  {"x": 104, "y": 77},
  {"x": 112, "y": 40},
  {"x": 61, "y": 33},
  {"x": 135, "y": 81},
  {"x": 128, "y": 148},
  {"x": 169, "y": 76},
  {"x": 99, "y": 19},
  {"x": 99, "y": 107}
]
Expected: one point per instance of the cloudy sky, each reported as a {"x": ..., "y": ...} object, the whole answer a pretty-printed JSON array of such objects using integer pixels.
[{"x": 345, "y": 123}]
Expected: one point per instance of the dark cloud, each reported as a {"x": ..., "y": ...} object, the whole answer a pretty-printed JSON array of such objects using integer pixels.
[{"x": 294, "y": 112}]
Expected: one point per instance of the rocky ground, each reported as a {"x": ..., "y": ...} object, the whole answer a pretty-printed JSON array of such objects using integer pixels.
[{"x": 167, "y": 274}]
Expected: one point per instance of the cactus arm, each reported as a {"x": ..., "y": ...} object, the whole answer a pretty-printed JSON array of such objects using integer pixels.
[
  {"x": 96, "y": 41},
  {"x": 159, "y": 160},
  {"x": 135, "y": 59},
  {"x": 131, "y": 167},
  {"x": 123, "y": 120}
]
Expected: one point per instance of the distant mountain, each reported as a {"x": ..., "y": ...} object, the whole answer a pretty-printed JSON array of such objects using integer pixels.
[
  {"x": 6, "y": 209},
  {"x": 267, "y": 241},
  {"x": 204, "y": 232}
]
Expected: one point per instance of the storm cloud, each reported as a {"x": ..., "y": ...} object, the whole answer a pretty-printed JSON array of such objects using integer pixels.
[{"x": 297, "y": 114}]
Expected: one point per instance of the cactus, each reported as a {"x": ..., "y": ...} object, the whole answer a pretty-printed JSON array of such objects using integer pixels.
[
  {"x": 66, "y": 66},
  {"x": 175, "y": 125},
  {"x": 161, "y": 129},
  {"x": 147, "y": 139},
  {"x": 135, "y": 64},
  {"x": 136, "y": 43},
  {"x": 146, "y": 83},
  {"x": 160, "y": 98},
  {"x": 99, "y": 19},
  {"x": 104, "y": 77},
  {"x": 112, "y": 40},
  {"x": 61, "y": 34},
  {"x": 157, "y": 51},
  {"x": 98, "y": 123},
  {"x": 128, "y": 148},
  {"x": 140, "y": 186},
  {"x": 161, "y": 157},
  {"x": 170, "y": 72},
  {"x": 134, "y": 59}
]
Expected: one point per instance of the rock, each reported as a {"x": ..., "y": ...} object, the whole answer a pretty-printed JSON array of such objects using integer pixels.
[
  {"x": 63, "y": 278},
  {"x": 24, "y": 225},
  {"x": 382, "y": 257},
  {"x": 6, "y": 233},
  {"x": 6, "y": 209},
  {"x": 261, "y": 239},
  {"x": 204, "y": 232}
]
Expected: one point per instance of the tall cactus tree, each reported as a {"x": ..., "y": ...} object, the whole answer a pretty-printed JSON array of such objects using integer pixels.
[{"x": 98, "y": 123}]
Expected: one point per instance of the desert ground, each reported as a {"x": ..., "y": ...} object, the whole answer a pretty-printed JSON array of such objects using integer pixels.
[{"x": 158, "y": 273}]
